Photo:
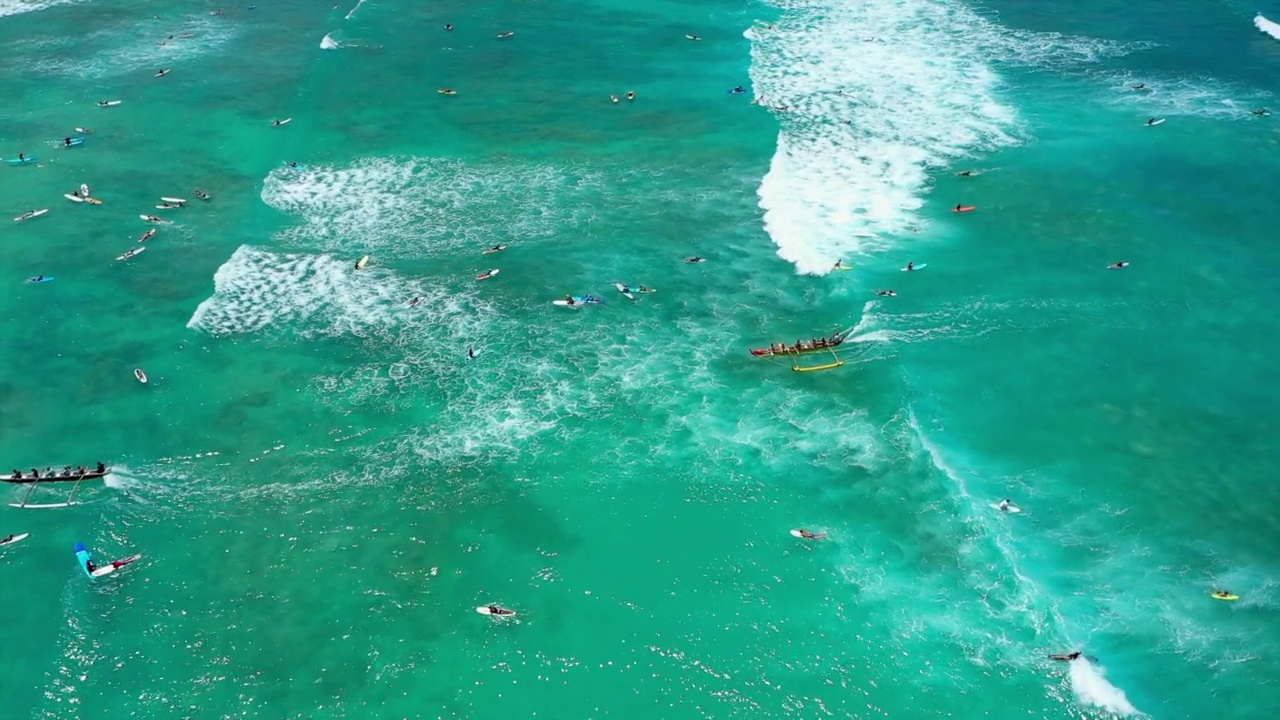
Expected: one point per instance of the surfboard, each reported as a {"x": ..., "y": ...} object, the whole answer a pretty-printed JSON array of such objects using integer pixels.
[
  {"x": 14, "y": 539},
  {"x": 285, "y": 121},
  {"x": 648, "y": 290},
  {"x": 484, "y": 610},
  {"x": 1153, "y": 123},
  {"x": 964, "y": 208},
  {"x": 1228, "y": 596},
  {"x": 795, "y": 532},
  {"x": 1118, "y": 266},
  {"x": 130, "y": 253},
  {"x": 162, "y": 73},
  {"x": 93, "y": 201},
  {"x": 23, "y": 161},
  {"x": 115, "y": 565},
  {"x": 74, "y": 142},
  {"x": 494, "y": 249},
  {"x": 626, "y": 292},
  {"x": 84, "y": 131},
  {"x": 913, "y": 268},
  {"x": 150, "y": 218},
  {"x": 169, "y": 206},
  {"x": 565, "y": 303},
  {"x": 142, "y": 377},
  {"x": 1011, "y": 508},
  {"x": 175, "y": 201},
  {"x": 109, "y": 103},
  {"x": 31, "y": 214},
  {"x": 73, "y": 198},
  {"x": 487, "y": 275},
  {"x": 360, "y": 264},
  {"x": 38, "y": 279},
  {"x": 507, "y": 34},
  {"x": 203, "y": 195},
  {"x": 447, "y": 91}
]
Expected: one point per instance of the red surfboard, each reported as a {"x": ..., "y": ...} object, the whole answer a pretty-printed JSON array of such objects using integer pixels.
[{"x": 964, "y": 208}]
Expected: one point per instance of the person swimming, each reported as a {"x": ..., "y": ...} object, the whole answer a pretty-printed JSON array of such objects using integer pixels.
[
  {"x": 1066, "y": 657},
  {"x": 965, "y": 173},
  {"x": 886, "y": 293},
  {"x": 471, "y": 353}
]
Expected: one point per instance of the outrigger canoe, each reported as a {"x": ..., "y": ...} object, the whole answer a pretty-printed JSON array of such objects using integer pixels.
[
  {"x": 59, "y": 476},
  {"x": 800, "y": 348}
]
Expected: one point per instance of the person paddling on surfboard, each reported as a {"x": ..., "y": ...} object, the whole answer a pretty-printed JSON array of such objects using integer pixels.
[
  {"x": 809, "y": 535},
  {"x": 499, "y": 610},
  {"x": 1220, "y": 594},
  {"x": 1118, "y": 265},
  {"x": 1154, "y": 121},
  {"x": 887, "y": 293},
  {"x": 911, "y": 265},
  {"x": 1003, "y": 504},
  {"x": 471, "y": 353}
]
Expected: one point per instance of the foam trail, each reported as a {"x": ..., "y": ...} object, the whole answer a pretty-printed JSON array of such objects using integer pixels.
[
  {"x": 328, "y": 43},
  {"x": 18, "y": 7},
  {"x": 354, "y": 9},
  {"x": 1266, "y": 26},
  {"x": 1092, "y": 688}
]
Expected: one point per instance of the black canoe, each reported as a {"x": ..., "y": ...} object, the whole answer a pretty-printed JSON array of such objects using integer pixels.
[{"x": 55, "y": 477}]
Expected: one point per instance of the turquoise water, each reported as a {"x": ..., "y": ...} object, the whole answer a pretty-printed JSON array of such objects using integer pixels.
[{"x": 324, "y": 487}]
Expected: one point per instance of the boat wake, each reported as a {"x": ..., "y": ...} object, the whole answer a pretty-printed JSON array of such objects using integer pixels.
[
  {"x": 354, "y": 9},
  {"x": 1092, "y": 688}
]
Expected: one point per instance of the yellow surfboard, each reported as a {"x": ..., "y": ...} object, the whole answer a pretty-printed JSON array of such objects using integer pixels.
[{"x": 1224, "y": 595}]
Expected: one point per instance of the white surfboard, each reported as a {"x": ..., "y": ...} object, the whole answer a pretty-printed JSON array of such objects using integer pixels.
[
  {"x": 565, "y": 303},
  {"x": 152, "y": 218},
  {"x": 14, "y": 539},
  {"x": 142, "y": 377},
  {"x": 175, "y": 201},
  {"x": 130, "y": 253},
  {"x": 84, "y": 131},
  {"x": 31, "y": 214},
  {"x": 362, "y": 262},
  {"x": 116, "y": 565},
  {"x": 1153, "y": 123},
  {"x": 285, "y": 121},
  {"x": 484, "y": 610},
  {"x": 162, "y": 73},
  {"x": 488, "y": 274},
  {"x": 73, "y": 198},
  {"x": 913, "y": 268},
  {"x": 795, "y": 532},
  {"x": 110, "y": 103},
  {"x": 1011, "y": 508},
  {"x": 626, "y": 292}
]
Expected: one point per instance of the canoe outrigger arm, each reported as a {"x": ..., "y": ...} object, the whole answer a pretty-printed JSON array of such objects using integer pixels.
[{"x": 835, "y": 363}]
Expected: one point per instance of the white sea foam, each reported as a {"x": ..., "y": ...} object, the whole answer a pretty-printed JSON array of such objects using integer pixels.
[
  {"x": 1266, "y": 26},
  {"x": 256, "y": 289},
  {"x": 1198, "y": 96},
  {"x": 414, "y": 206},
  {"x": 914, "y": 80},
  {"x": 354, "y": 9},
  {"x": 328, "y": 43},
  {"x": 18, "y": 7},
  {"x": 1091, "y": 688}
]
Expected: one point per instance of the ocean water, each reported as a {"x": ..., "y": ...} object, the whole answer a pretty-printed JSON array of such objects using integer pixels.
[{"x": 324, "y": 486}]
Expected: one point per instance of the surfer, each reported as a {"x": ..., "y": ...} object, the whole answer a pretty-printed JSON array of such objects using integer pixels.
[
  {"x": 644, "y": 289},
  {"x": 448, "y": 26},
  {"x": 147, "y": 235},
  {"x": 809, "y": 535},
  {"x": 1118, "y": 265},
  {"x": 66, "y": 142},
  {"x": 1260, "y": 111},
  {"x": 415, "y": 301},
  {"x": 911, "y": 265},
  {"x": 471, "y": 353},
  {"x": 841, "y": 266},
  {"x": 613, "y": 98},
  {"x": 1154, "y": 121},
  {"x": 569, "y": 300},
  {"x": 22, "y": 157},
  {"x": 90, "y": 566},
  {"x": 496, "y": 248},
  {"x": 39, "y": 278},
  {"x": 201, "y": 194},
  {"x": 277, "y": 123},
  {"x": 1066, "y": 657},
  {"x": 1003, "y": 505},
  {"x": 504, "y": 35},
  {"x": 499, "y": 610},
  {"x": 737, "y": 90},
  {"x": 165, "y": 71},
  {"x": 1139, "y": 86},
  {"x": 631, "y": 94},
  {"x": 693, "y": 37},
  {"x": 887, "y": 293},
  {"x": 153, "y": 218},
  {"x": 101, "y": 468},
  {"x": 7, "y": 539},
  {"x": 965, "y": 173},
  {"x": 1220, "y": 594},
  {"x": 695, "y": 259}
]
